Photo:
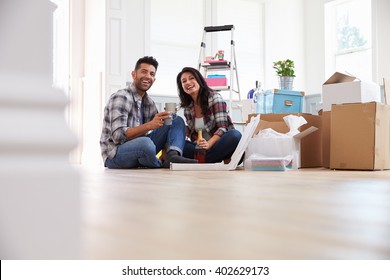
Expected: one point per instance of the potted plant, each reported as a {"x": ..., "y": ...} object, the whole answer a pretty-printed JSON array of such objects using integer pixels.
[{"x": 285, "y": 71}]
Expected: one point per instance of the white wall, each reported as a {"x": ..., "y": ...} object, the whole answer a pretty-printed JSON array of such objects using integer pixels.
[
  {"x": 281, "y": 40},
  {"x": 284, "y": 38},
  {"x": 381, "y": 46},
  {"x": 293, "y": 29},
  {"x": 94, "y": 69},
  {"x": 314, "y": 43},
  {"x": 286, "y": 24},
  {"x": 77, "y": 47},
  {"x": 138, "y": 28}
]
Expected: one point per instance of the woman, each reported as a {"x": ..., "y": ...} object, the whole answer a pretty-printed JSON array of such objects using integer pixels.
[{"x": 205, "y": 109}]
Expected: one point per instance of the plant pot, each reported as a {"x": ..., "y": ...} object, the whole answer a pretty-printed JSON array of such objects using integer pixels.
[{"x": 286, "y": 82}]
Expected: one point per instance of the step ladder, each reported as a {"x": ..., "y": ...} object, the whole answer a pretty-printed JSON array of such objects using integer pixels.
[{"x": 230, "y": 67}]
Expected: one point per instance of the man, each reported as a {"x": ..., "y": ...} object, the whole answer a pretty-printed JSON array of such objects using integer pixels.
[{"x": 133, "y": 130}]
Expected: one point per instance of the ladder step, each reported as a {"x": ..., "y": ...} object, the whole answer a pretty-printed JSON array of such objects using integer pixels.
[
  {"x": 219, "y": 28},
  {"x": 236, "y": 108},
  {"x": 218, "y": 88}
]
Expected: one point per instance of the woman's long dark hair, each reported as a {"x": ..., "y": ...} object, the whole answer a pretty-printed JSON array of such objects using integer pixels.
[{"x": 204, "y": 90}]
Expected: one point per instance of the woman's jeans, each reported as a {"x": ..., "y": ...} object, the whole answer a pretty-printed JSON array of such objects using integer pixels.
[
  {"x": 141, "y": 151},
  {"x": 222, "y": 150}
]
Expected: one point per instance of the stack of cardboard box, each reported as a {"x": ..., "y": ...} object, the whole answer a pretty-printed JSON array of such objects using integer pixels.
[{"x": 353, "y": 127}]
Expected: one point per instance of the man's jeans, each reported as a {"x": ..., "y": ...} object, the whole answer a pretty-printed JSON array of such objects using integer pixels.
[
  {"x": 141, "y": 151},
  {"x": 222, "y": 150}
]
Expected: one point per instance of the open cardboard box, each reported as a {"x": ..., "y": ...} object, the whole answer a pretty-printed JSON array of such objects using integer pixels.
[
  {"x": 279, "y": 146},
  {"x": 310, "y": 145},
  {"x": 341, "y": 88}
]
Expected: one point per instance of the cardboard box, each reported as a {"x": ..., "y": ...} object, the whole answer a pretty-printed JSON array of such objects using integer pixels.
[
  {"x": 341, "y": 88},
  {"x": 310, "y": 145},
  {"x": 386, "y": 89},
  {"x": 325, "y": 135},
  {"x": 360, "y": 136},
  {"x": 287, "y": 101}
]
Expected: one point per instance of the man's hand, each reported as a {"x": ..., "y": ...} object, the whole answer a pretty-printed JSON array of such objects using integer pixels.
[{"x": 158, "y": 120}]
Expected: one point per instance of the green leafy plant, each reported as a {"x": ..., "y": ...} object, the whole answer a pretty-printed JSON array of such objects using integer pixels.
[{"x": 284, "y": 68}]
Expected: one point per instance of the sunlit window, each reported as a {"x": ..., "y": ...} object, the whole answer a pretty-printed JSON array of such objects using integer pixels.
[{"x": 348, "y": 38}]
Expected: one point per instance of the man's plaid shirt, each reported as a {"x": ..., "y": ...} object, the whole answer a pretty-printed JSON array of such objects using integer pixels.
[{"x": 124, "y": 109}]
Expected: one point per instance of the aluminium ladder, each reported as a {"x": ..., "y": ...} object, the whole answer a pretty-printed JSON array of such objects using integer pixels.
[{"x": 233, "y": 86}]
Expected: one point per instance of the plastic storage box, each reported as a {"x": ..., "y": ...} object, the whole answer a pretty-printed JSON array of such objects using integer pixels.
[
  {"x": 264, "y": 100},
  {"x": 216, "y": 80}
]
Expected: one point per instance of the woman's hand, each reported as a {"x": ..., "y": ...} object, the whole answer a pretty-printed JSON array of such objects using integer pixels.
[
  {"x": 204, "y": 144},
  {"x": 208, "y": 144}
]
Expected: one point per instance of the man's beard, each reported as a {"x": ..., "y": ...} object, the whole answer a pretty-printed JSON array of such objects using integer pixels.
[{"x": 140, "y": 86}]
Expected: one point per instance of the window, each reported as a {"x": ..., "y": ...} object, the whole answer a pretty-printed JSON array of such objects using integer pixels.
[{"x": 348, "y": 38}]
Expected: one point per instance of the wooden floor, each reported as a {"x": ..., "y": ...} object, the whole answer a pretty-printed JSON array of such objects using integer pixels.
[{"x": 302, "y": 214}]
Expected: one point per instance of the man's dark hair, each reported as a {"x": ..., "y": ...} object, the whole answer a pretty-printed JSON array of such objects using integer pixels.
[{"x": 148, "y": 60}]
